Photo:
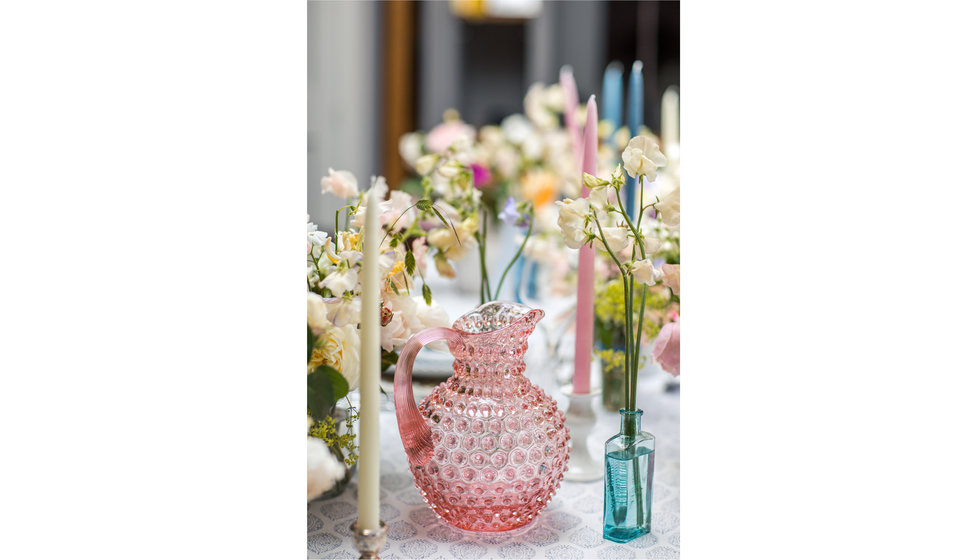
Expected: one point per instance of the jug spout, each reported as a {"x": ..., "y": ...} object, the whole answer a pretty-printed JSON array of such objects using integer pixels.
[{"x": 415, "y": 432}]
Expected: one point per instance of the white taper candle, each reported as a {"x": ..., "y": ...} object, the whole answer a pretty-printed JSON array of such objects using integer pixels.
[{"x": 369, "y": 479}]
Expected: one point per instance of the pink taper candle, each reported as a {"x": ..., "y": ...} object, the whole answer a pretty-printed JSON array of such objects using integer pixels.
[
  {"x": 571, "y": 105},
  {"x": 585, "y": 310}
]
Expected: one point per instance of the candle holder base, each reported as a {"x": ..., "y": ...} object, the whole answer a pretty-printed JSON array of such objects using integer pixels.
[
  {"x": 369, "y": 542},
  {"x": 580, "y": 419}
]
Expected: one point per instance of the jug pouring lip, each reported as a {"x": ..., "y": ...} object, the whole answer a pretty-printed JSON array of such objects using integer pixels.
[{"x": 523, "y": 314}]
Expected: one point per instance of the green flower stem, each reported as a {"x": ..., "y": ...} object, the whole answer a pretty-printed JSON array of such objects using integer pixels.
[
  {"x": 393, "y": 224},
  {"x": 486, "y": 271},
  {"x": 481, "y": 241},
  {"x": 627, "y": 295},
  {"x": 530, "y": 227},
  {"x": 639, "y": 337}
]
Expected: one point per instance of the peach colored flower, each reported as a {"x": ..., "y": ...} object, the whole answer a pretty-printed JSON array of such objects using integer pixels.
[
  {"x": 667, "y": 348},
  {"x": 672, "y": 277},
  {"x": 340, "y": 183},
  {"x": 443, "y": 135}
]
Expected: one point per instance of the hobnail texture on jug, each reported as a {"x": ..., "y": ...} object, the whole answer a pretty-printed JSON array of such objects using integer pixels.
[{"x": 489, "y": 449}]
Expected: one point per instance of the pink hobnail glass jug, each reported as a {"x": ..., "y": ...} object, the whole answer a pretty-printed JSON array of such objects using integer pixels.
[{"x": 487, "y": 447}]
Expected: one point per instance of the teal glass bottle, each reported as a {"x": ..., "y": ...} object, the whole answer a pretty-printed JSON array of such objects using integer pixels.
[{"x": 628, "y": 480}]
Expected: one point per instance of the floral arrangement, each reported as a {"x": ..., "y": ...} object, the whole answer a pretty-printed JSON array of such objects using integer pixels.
[
  {"x": 601, "y": 221},
  {"x": 334, "y": 306},
  {"x": 528, "y": 157}
]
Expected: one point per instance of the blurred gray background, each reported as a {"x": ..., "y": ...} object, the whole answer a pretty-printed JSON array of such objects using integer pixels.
[{"x": 379, "y": 69}]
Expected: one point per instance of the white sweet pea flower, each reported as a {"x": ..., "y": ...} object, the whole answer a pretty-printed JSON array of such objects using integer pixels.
[
  {"x": 651, "y": 243},
  {"x": 400, "y": 202},
  {"x": 340, "y": 183},
  {"x": 536, "y": 109},
  {"x": 340, "y": 281},
  {"x": 516, "y": 128},
  {"x": 314, "y": 237},
  {"x": 599, "y": 197},
  {"x": 441, "y": 238},
  {"x": 669, "y": 205},
  {"x": 644, "y": 272},
  {"x": 533, "y": 147},
  {"x": 323, "y": 469},
  {"x": 316, "y": 313},
  {"x": 343, "y": 311},
  {"x": 572, "y": 218},
  {"x": 425, "y": 164},
  {"x": 617, "y": 237},
  {"x": 642, "y": 156},
  {"x": 449, "y": 169},
  {"x": 430, "y": 315},
  {"x": 410, "y": 147}
]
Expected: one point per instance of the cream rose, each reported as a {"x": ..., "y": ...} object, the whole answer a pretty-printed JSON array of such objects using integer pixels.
[{"x": 340, "y": 349}]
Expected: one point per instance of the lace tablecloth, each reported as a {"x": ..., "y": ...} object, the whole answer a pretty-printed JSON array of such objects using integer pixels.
[{"x": 570, "y": 527}]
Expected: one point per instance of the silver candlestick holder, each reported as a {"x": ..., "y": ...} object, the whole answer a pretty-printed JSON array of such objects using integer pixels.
[
  {"x": 369, "y": 542},
  {"x": 580, "y": 419}
]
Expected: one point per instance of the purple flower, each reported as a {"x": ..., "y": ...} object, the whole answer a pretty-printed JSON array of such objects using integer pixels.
[
  {"x": 481, "y": 176},
  {"x": 510, "y": 215}
]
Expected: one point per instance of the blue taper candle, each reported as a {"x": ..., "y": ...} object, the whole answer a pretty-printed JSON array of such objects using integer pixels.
[
  {"x": 634, "y": 119},
  {"x": 612, "y": 97}
]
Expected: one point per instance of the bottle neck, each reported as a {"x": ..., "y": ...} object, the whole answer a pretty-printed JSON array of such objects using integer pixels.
[{"x": 630, "y": 422}]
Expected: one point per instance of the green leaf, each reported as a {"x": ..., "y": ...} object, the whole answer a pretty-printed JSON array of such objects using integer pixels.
[
  {"x": 388, "y": 359},
  {"x": 427, "y": 294},
  {"x": 410, "y": 263},
  {"x": 324, "y": 387},
  {"x": 448, "y": 225},
  {"x": 424, "y": 205}
]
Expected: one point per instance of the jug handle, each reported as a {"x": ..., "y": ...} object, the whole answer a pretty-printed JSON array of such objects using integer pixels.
[{"x": 415, "y": 432}]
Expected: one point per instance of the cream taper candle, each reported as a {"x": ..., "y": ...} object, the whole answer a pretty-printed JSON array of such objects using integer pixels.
[
  {"x": 369, "y": 479},
  {"x": 670, "y": 117}
]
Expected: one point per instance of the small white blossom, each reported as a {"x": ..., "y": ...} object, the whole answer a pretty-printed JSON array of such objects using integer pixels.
[
  {"x": 323, "y": 469},
  {"x": 599, "y": 197},
  {"x": 340, "y": 183},
  {"x": 425, "y": 164},
  {"x": 642, "y": 156},
  {"x": 644, "y": 272},
  {"x": 343, "y": 311},
  {"x": 616, "y": 237},
  {"x": 572, "y": 218},
  {"x": 340, "y": 281},
  {"x": 316, "y": 312},
  {"x": 669, "y": 206}
]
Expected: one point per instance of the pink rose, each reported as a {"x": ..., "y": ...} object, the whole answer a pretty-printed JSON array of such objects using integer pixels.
[
  {"x": 667, "y": 348},
  {"x": 672, "y": 277},
  {"x": 443, "y": 135}
]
